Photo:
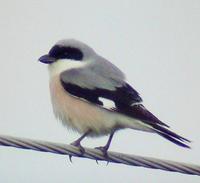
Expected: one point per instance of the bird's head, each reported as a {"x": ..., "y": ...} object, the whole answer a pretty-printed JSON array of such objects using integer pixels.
[{"x": 67, "y": 49}]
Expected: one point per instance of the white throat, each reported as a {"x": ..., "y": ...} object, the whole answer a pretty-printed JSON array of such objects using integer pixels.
[{"x": 62, "y": 65}]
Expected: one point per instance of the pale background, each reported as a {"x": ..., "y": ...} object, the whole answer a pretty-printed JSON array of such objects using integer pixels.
[{"x": 156, "y": 43}]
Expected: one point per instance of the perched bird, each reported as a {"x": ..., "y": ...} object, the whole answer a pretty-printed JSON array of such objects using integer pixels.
[{"x": 82, "y": 83}]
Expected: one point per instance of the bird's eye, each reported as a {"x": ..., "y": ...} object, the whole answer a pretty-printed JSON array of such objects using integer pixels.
[{"x": 60, "y": 52}]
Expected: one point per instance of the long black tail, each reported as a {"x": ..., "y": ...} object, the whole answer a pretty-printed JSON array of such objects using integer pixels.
[
  {"x": 140, "y": 112},
  {"x": 171, "y": 136}
]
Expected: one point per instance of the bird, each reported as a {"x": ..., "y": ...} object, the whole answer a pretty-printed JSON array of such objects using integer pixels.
[{"x": 91, "y": 95}]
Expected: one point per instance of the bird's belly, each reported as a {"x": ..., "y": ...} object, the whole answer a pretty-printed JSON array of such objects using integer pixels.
[{"x": 79, "y": 114}]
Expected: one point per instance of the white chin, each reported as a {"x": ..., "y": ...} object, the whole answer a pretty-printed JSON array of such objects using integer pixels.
[{"x": 63, "y": 65}]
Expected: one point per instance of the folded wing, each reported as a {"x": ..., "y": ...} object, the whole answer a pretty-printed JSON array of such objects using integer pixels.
[{"x": 91, "y": 85}]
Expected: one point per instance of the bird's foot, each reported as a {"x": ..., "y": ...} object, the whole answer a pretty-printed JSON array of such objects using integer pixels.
[
  {"x": 104, "y": 150},
  {"x": 78, "y": 144}
]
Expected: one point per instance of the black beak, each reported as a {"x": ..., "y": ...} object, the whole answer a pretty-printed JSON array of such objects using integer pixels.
[{"x": 46, "y": 59}]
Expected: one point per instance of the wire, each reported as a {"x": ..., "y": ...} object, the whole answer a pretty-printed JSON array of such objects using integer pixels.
[{"x": 97, "y": 155}]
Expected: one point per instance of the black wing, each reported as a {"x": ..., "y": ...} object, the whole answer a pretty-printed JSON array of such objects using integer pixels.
[{"x": 124, "y": 94}]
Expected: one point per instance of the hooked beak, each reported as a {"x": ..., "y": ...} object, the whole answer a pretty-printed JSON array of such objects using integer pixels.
[{"x": 46, "y": 59}]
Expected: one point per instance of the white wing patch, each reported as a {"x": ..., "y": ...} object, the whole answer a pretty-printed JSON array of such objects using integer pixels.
[{"x": 107, "y": 103}]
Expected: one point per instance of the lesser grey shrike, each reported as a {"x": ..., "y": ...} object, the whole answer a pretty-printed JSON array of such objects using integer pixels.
[{"x": 83, "y": 85}]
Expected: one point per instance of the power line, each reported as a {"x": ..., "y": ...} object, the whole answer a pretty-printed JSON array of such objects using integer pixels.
[{"x": 97, "y": 155}]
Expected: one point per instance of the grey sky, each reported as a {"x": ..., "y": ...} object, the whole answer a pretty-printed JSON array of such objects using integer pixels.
[{"x": 156, "y": 43}]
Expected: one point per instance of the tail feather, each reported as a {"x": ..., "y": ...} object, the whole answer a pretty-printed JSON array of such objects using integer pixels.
[
  {"x": 139, "y": 112},
  {"x": 159, "y": 127},
  {"x": 170, "y": 133},
  {"x": 171, "y": 136},
  {"x": 174, "y": 140}
]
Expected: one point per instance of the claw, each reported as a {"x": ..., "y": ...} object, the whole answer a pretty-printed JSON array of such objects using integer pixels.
[
  {"x": 104, "y": 150},
  {"x": 70, "y": 158},
  {"x": 107, "y": 163}
]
